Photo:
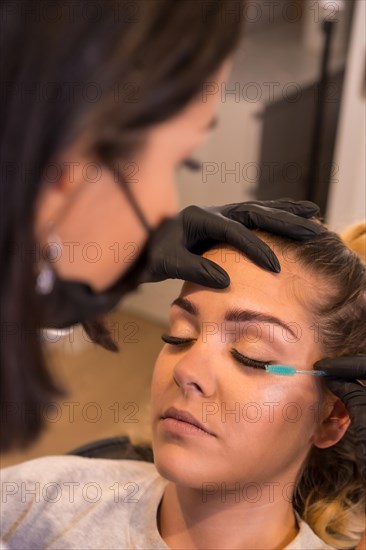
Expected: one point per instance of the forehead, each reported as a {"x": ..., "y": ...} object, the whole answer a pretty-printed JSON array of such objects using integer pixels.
[{"x": 288, "y": 292}]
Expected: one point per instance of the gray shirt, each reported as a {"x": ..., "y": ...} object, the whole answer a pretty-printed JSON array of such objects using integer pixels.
[{"x": 59, "y": 502}]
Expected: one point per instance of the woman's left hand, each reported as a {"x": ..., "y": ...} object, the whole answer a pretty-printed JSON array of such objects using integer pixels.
[
  {"x": 174, "y": 253},
  {"x": 178, "y": 243}
]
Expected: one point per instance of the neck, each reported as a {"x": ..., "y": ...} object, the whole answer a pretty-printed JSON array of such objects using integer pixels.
[{"x": 196, "y": 519}]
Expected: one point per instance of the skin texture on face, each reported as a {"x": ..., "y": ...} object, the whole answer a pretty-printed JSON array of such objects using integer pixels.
[
  {"x": 264, "y": 425},
  {"x": 90, "y": 213},
  {"x": 210, "y": 383}
]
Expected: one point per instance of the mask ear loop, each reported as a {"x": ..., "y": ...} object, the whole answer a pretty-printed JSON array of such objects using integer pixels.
[
  {"x": 133, "y": 203},
  {"x": 46, "y": 276}
]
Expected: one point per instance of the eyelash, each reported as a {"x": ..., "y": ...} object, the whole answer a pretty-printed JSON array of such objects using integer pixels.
[
  {"x": 176, "y": 341},
  {"x": 242, "y": 359},
  {"x": 247, "y": 361}
]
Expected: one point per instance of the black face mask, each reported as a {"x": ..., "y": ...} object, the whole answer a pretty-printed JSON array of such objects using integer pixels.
[{"x": 72, "y": 302}]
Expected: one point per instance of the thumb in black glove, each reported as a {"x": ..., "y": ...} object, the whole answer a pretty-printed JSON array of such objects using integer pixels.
[{"x": 177, "y": 244}]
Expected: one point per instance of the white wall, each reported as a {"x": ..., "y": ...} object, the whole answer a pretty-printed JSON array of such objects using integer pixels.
[{"x": 347, "y": 198}]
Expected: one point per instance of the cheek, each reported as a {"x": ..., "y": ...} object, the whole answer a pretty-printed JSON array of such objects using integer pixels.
[
  {"x": 287, "y": 407},
  {"x": 158, "y": 199},
  {"x": 161, "y": 378}
]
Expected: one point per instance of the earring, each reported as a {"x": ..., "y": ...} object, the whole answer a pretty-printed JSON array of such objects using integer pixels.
[
  {"x": 45, "y": 280},
  {"x": 46, "y": 276}
]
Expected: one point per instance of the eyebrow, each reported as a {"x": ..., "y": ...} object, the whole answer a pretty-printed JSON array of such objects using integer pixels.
[
  {"x": 187, "y": 305},
  {"x": 236, "y": 315}
]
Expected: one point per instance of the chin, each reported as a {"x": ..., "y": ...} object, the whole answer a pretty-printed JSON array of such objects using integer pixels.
[{"x": 177, "y": 465}]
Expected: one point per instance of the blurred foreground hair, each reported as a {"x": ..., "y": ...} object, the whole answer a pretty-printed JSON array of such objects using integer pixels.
[{"x": 99, "y": 73}]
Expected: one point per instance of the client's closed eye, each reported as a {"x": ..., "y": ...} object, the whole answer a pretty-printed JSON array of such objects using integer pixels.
[
  {"x": 248, "y": 361},
  {"x": 176, "y": 340}
]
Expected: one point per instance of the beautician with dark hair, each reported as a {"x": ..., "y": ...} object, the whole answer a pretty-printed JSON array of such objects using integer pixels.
[{"x": 101, "y": 103}]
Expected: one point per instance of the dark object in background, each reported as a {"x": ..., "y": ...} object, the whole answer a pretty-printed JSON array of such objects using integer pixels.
[
  {"x": 299, "y": 132},
  {"x": 314, "y": 167},
  {"x": 119, "y": 447},
  {"x": 287, "y": 142}
]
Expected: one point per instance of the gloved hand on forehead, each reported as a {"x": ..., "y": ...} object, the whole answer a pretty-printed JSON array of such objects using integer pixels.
[
  {"x": 347, "y": 383},
  {"x": 177, "y": 245},
  {"x": 173, "y": 252}
]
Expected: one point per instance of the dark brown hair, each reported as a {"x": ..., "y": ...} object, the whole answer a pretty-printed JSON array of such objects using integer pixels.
[{"x": 104, "y": 70}]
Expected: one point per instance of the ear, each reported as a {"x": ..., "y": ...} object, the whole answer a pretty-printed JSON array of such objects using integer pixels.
[
  {"x": 62, "y": 180},
  {"x": 333, "y": 427},
  {"x": 50, "y": 203}
]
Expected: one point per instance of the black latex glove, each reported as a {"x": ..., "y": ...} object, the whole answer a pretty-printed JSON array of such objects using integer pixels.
[
  {"x": 352, "y": 393},
  {"x": 178, "y": 243},
  {"x": 172, "y": 252}
]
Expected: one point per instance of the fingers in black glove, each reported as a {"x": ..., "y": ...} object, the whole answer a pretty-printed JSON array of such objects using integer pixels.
[
  {"x": 351, "y": 367},
  {"x": 305, "y": 209},
  {"x": 178, "y": 242},
  {"x": 169, "y": 258},
  {"x": 284, "y": 217},
  {"x": 201, "y": 271},
  {"x": 205, "y": 228}
]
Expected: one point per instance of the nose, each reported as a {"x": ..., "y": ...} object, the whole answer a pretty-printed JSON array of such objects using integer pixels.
[{"x": 194, "y": 373}]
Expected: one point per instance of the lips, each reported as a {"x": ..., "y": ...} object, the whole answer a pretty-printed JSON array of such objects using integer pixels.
[{"x": 184, "y": 416}]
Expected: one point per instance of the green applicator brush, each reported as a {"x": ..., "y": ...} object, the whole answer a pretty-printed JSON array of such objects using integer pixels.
[{"x": 285, "y": 370}]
